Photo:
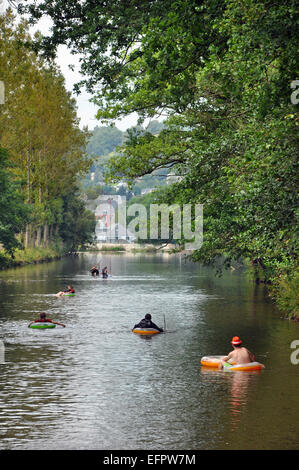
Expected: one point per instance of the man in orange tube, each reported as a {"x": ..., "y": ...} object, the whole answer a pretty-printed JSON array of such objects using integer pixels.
[
  {"x": 146, "y": 322},
  {"x": 239, "y": 355}
]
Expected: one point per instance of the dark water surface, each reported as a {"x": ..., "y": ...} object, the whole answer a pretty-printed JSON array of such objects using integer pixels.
[{"x": 96, "y": 385}]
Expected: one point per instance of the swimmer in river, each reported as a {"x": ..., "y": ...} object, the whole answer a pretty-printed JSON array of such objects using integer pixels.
[
  {"x": 239, "y": 355},
  {"x": 69, "y": 290},
  {"x": 94, "y": 271},
  {"x": 43, "y": 319},
  {"x": 105, "y": 272},
  {"x": 146, "y": 322}
]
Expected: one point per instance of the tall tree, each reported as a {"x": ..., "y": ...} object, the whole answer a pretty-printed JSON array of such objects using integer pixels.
[
  {"x": 40, "y": 128},
  {"x": 13, "y": 211}
]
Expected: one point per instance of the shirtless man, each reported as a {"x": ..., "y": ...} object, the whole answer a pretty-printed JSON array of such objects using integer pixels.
[{"x": 239, "y": 355}]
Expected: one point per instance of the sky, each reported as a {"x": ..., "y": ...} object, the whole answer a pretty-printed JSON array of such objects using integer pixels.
[{"x": 86, "y": 110}]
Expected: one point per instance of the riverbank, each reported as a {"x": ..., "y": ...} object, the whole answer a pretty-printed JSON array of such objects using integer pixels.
[{"x": 29, "y": 256}]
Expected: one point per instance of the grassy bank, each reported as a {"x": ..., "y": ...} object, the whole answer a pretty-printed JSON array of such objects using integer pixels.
[
  {"x": 29, "y": 256},
  {"x": 112, "y": 248}
]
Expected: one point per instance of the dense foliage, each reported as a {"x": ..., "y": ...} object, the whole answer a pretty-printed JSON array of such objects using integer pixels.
[
  {"x": 13, "y": 211},
  {"x": 221, "y": 71},
  {"x": 39, "y": 128},
  {"x": 104, "y": 144}
]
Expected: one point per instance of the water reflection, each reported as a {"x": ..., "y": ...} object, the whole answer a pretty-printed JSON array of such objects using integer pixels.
[
  {"x": 94, "y": 384},
  {"x": 239, "y": 390}
]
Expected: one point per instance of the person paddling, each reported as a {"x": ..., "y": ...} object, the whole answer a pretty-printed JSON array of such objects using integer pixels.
[
  {"x": 94, "y": 271},
  {"x": 239, "y": 355},
  {"x": 146, "y": 322},
  {"x": 105, "y": 272},
  {"x": 43, "y": 319},
  {"x": 69, "y": 290}
]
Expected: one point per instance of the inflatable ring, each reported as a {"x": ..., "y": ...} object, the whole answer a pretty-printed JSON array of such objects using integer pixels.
[
  {"x": 69, "y": 295},
  {"x": 211, "y": 361},
  {"x": 214, "y": 361},
  {"x": 147, "y": 331},
  {"x": 244, "y": 367},
  {"x": 42, "y": 325}
]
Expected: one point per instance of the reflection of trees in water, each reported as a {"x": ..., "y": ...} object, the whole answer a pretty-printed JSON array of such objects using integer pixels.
[
  {"x": 238, "y": 398},
  {"x": 239, "y": 389},
  {"x": 241, "y": 385}
]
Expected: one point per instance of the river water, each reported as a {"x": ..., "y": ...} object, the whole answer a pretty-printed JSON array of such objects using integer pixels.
[{"x": 96, "y": 385}]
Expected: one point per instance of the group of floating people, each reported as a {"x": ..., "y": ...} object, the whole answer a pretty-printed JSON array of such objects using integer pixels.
[
  {"x": 95, "y": 271},
  {"x": 240, "y": 358}
]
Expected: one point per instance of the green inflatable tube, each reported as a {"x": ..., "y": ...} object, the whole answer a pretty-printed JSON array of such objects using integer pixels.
[{"x": 42, "y": 325}]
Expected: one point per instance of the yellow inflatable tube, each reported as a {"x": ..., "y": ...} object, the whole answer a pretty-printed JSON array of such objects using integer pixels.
[
  {"x": 214, "y": 361},
  {"x": 145, "y": 331}
]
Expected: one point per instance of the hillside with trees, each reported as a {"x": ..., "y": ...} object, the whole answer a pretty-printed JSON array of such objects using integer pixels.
[{"x": 105, "y": 143}]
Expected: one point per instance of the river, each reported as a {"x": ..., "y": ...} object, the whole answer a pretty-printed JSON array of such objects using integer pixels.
[{"x": 96, "y": 385}]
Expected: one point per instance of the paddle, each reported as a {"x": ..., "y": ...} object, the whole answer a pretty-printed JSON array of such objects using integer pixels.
[{"x": 164, "y": 329}]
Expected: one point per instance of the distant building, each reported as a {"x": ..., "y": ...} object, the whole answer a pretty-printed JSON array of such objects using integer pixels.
[
  {"x": 107, "y": 229},
  {"x": 147, "y": 191},
  {"x": 170, "y": 179},
  {"x": 121, "y": 185},
  {"x": 113, "y": 234}
]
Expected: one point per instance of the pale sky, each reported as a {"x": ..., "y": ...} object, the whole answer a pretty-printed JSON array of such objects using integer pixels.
[{"x": 86, "y": 110}]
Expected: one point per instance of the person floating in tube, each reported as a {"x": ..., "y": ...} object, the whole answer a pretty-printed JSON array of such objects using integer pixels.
[
  {"x": 146, "y": 322},
  {"x": 239, "y": 355},
  {"x": 69, "y": 290},
  {"x": 43, "y": 318},
  {"x": 105, "y": 272},
  {"x": 94, "y": 271}
]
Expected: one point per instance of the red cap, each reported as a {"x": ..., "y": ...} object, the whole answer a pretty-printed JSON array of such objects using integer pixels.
[{"x": 236, "y": 340}]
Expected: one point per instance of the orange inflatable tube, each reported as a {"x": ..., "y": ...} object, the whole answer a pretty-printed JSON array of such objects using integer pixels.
[
  {"x": 145, "y": 331},
  {"x": 244, "y": 367},
  {"x": 214, "y": 361},
  {"x": 211, "y": 361}
]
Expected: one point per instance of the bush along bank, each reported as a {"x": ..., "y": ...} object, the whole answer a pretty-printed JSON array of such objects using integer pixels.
[
  {"x": 22, "y": 257},
  {"x": 285, "y": 293}
]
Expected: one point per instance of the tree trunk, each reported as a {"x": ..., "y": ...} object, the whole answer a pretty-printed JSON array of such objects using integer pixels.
[
  {"x": 46, "y": 234},
  {"x": 28, "y": 227},
  {"x": 51, "y": 233},
  {"x": 33, "y": 239},
  {"x": 38, "y": 236},
  {"x": 27, "y": 236}
]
